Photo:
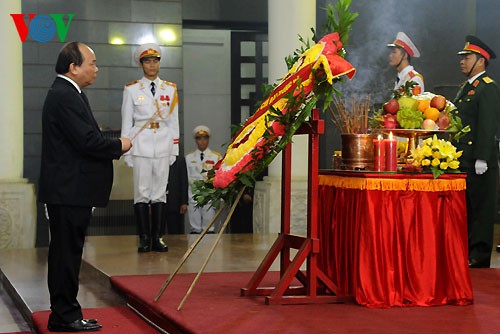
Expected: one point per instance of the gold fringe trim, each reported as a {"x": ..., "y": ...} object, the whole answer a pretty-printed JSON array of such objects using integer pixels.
[{"x": 392, "y": 184}]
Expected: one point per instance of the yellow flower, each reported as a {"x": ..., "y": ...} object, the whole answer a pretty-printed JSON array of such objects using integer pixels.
[
  {"x": 427, "y": 141},
  {"x": 447, "y": 150},
  {"x": 437, "y": 155},
  {"x": 454, "y": 164},
  {"x": 426, "y": 151}
]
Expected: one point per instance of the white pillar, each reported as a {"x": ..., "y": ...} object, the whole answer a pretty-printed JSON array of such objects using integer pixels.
[
  {"x": 287, "y": 20},
  {"x": 17, "y": 198},
  {"x": 11, "y": 95}
]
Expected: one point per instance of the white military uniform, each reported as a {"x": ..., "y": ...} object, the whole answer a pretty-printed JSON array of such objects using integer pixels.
[
  {"x": 200, "y": 217},
  {"x": 152, "y": 122},
  {"x": 409, "y": 74}
]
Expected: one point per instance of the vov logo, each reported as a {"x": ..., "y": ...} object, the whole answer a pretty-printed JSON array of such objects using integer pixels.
[{"x": 42, "y": 28}]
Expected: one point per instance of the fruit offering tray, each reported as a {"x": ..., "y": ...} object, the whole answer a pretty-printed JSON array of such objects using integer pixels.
[{"x": 412, "y": 133}]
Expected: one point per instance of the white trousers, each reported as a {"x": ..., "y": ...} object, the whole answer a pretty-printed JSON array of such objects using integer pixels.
[
  {"x": 200, "y": 217},
  {"x": 150, "y": 179}
]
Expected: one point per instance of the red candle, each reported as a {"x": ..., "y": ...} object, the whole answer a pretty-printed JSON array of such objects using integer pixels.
[
  {"x": 379, "y": 154},
  {"x": 391, "y": 154}
]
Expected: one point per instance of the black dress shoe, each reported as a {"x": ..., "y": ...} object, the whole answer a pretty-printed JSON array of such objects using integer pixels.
[
  {"x": 475, "y": 263},
  {"x": 75, "y": 326},
  {"x": 498, "y": 248},
  {"x": 158, "y": 245},
  {"x": 144, "y": 244}
]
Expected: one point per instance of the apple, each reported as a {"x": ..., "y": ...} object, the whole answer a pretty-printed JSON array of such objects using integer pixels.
[
  {"x": 429, "y": 124},
  {"x": 443, "y": 121},
  {"x": 391, "y": 106},
  {"x": 438, "y": 102},
  {"x": 390, "y": 121}
]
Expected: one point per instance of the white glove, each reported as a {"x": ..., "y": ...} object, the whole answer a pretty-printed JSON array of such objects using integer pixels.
[
  {"x": 128, "y": 160},
  {"x": 481, "y": 167},
  {"x": 172, "y": 159}
]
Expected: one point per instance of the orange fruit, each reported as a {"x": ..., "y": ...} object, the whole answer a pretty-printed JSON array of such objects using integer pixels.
[
  {"x": 431, "y": 113},
  {"x": 423, "y": 105}
]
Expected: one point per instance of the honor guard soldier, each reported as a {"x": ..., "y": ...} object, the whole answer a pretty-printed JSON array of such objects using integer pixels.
[
  {"x": 402, "y": 51},
  {"x": 478, "y": 104},
  {"x": 150, "y": 120},
  {"x": 198, "y": 162}
]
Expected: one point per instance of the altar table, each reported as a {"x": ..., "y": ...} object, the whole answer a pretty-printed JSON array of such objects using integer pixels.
[{"x": 395, "y": 239}]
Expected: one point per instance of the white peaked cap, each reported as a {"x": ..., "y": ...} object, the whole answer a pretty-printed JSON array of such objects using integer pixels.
[
  {"x": 201, "y": 130},
  {"x": 147, "y": 50},
  {"x": 405, "y": 42}
]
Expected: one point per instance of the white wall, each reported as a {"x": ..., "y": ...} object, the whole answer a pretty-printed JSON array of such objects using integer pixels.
[{"x": 207, "y": 85}]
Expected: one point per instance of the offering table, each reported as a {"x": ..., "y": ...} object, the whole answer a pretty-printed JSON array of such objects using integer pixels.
[{"x": 395, "y": 239}]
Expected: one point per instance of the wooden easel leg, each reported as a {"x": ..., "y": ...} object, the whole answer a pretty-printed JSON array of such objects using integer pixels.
[
  {"x": 226, "y": 222},
  {"x": 253, "y": 284},
  {"x": 188, "y": 253}
]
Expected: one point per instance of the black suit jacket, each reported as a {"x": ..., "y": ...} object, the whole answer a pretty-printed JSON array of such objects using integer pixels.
[
  {"x": 76, "y": 166},
  {"x": 177, "y": 185}
]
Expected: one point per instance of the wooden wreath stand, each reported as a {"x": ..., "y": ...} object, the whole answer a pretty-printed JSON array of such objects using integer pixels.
[{"x": 316, "y": 286}]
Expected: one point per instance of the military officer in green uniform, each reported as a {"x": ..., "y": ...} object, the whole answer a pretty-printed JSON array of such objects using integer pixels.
[{"x": 478, "y": 102}]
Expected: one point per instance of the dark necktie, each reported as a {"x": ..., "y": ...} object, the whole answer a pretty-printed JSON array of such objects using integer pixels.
[
  {"x": 153, "y": 90},
  {"x": 202, "y": 156}
]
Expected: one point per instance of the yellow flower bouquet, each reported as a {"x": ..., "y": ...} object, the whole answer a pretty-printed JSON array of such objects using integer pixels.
[{"x": 436, "y": 155}]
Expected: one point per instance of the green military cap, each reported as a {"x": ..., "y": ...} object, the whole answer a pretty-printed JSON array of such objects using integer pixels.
[{"x": 475, "y": 45}]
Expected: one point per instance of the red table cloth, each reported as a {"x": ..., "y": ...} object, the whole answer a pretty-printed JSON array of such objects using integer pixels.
[{"x": 395, "y": 239}]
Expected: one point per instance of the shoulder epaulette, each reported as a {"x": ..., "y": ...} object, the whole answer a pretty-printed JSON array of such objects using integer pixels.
[
  {"x": 488, "y": 80},
  {"x": 170, "y": 83},
  {"x": 415, "y": 74},
  {"x": 132, "y": 83},
  {"x": 216, "y": 153}
]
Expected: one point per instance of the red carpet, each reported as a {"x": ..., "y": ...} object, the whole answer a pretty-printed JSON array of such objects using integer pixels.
[
  {"x": 114, "y": 320},
  {"x": 215, "y": 306}
]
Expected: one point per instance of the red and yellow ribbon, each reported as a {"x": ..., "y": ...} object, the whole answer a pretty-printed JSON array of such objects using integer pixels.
[{"x": 249, "y": 145}]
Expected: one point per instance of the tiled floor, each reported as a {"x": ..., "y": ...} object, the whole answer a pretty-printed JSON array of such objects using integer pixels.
[{"x": 117, "y": 255}]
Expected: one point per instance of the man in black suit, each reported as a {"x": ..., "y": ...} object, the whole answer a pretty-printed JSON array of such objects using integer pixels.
[
  {"x": 76, "y": 174},
  {"x": 177, "y": 196}
]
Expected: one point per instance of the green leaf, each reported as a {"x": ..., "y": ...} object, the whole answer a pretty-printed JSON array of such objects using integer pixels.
[{"x": 436, "y": 172}]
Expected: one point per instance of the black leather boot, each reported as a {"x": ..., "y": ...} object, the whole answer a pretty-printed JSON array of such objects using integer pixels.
[
  {"x": 143, "y": 230},
  {"x": 158, "y": 227}
]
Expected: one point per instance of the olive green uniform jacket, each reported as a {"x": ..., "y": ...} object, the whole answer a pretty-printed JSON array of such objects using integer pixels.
[{"x": 478, "y": 106}]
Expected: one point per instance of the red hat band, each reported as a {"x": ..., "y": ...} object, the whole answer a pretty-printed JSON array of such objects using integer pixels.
[
  {"x": 477, "y": 49},
  {"x": 149, "y": 53},
  {"x": 202, "y": 133},
  {"x": 405, "y": 46}
]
